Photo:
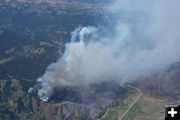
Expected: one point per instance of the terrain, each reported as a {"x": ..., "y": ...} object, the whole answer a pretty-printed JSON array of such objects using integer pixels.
[
  {"x": 165, "y": 83},
  {"x": 33, "y": 34},
  {"x": 147, "y": 107}
]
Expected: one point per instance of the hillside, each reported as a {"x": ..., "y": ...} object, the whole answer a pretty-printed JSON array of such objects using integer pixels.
[
  {"x": 31, "y": 37},
  {"x": 34, "y": 33},
  {"x": 20, "y": 55},
  {"x": 165, "y": 83}
]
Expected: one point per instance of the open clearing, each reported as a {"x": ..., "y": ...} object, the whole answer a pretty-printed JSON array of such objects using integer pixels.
[{"x": 137, "y": 106}]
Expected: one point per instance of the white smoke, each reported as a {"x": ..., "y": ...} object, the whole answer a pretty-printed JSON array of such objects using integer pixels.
[{"x": 144, "y": 38}]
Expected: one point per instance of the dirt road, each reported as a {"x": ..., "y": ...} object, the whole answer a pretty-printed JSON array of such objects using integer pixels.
[{"x": 130, "y": 106}]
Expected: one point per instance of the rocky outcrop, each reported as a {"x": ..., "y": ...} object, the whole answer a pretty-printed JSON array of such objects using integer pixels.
[
  {"x": 79, "y": 111},
  {"x": 84, "y": 112}
]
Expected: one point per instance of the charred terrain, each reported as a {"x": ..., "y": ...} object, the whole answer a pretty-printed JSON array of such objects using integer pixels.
[{"x": 33, "y": 34}]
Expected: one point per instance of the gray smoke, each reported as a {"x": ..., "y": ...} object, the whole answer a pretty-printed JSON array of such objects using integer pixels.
[{"x": 144, "y": 37}]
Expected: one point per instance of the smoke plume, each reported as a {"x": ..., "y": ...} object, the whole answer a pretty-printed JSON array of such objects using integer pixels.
[{"x": 143, "y": 37}]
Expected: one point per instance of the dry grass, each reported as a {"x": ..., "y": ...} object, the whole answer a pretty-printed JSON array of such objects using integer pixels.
[
  {"x": 147, "y": 108},
  {"x": 152, "y": 107}
]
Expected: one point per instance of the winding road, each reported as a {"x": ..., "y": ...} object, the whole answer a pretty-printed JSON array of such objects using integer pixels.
[{"x": 130, "y": 106}]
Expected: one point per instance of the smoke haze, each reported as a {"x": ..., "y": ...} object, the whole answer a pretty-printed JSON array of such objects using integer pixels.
[{"x": 144, "y": 37}]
